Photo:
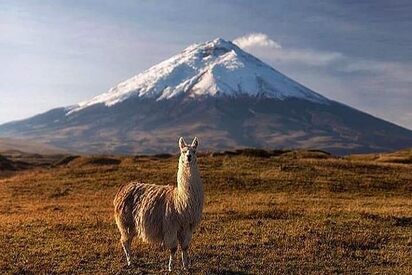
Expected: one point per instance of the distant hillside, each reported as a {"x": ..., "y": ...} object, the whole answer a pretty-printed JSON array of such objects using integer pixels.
[
  {"x": 13, "y": 144},
  {"x": 401, "y": 156}
]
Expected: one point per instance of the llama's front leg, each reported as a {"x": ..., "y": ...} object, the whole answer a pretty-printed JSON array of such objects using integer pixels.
[
  {"x": 172, "y": 257},
  {"x": 185, "y": 259},
  {"x": 170, "y": 241},
  {"x": 184, "y": 240}
]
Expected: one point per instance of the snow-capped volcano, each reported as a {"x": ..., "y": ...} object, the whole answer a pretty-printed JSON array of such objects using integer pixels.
[
  {"x": 219, "y": 93},
  {"x": 214, "y": 68}
]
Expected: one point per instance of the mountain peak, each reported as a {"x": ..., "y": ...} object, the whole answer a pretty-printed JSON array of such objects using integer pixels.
[
  {"x": 213, "y": 68},
  {"x": 213, "y": 44},
  {"x": 223, "y": 44}
]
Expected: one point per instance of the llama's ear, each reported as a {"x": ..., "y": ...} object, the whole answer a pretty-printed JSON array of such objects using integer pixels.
[
  {"x": 195, "y": 143},
  {"x": 182, "y": 143}
]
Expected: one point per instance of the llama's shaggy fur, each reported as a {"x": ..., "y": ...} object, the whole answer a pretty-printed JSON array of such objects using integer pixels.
[{"x": 165, "y": 215}]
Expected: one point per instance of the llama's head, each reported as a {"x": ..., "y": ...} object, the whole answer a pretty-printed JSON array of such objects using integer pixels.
[{"x": 188, "y": 152}]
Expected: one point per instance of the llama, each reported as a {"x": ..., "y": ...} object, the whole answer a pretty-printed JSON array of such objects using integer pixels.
[{"x": 159, "y": 214}]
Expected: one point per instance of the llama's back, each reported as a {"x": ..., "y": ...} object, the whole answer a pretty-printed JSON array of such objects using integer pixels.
[{"x": 144, "y": 209}]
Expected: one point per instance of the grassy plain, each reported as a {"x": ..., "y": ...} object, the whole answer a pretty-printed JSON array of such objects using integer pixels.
[{"x": 303, "y": 212}]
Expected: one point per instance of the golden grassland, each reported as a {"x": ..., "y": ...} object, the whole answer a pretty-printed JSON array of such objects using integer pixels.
[{"x": 293, "y": 213}]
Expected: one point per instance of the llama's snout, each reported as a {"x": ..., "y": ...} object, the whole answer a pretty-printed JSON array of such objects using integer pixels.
[{"x": 189, "y": 158}]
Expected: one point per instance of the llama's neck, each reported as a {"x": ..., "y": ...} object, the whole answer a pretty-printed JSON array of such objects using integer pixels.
[
  {"x": 188, "y": 178},
  {"x": 189, "y": 191}
]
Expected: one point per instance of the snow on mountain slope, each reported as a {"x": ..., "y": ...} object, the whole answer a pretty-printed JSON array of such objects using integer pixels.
[{"x": 213, "y": 68}]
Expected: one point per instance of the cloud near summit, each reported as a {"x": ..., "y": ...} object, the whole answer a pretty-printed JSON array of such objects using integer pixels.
[
  {"x": 262, "y": 45},
  {"x": 256, "y": 40}
]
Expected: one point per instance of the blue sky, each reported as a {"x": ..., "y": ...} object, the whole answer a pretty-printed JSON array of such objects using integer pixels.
[{"x": 57, "y": 53}]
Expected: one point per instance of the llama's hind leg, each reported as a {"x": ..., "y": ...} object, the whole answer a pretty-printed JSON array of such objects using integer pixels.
[
  {"x": 126, "y": 241},
  {"x": 126, "y": 237}
]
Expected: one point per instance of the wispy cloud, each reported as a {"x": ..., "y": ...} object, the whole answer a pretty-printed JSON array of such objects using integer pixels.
[
  {"x": 262, "y": 45},
  {"x": 256, "y": 40},
  {"x": 395, "y": 70}
]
